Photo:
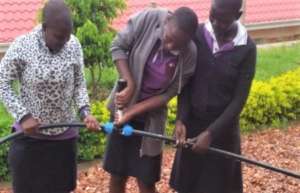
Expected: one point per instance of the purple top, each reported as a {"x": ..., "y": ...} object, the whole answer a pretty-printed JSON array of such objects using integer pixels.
[
  {"x": 210, "y": 40},
  {"x": 159, "y": 70}
]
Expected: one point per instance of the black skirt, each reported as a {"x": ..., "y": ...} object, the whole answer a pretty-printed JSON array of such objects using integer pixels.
[
  {"x": 43, "y": 165},
  {"x": 208, "y": 173},
  {"x": 122, "y": 158}
]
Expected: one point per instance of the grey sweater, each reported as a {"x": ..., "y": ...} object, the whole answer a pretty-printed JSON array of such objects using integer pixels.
[{"x": 134, "y": 43}]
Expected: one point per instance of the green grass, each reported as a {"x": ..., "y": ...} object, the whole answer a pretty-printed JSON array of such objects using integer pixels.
[
  {"x": 5, "y": 120},
  {"x": 108, "y": 77},
  {"x": 275, "y": 61}
]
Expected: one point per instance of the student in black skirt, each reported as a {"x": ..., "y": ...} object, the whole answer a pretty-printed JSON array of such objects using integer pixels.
[
  {"x": 155, "y": 55},
  {"x": 210, "y": 104},
  {"x": 48, "y": 63}
]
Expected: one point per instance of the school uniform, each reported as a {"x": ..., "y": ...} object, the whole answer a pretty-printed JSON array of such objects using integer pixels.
[
  {"x": 213, "y": 100},
  {"x": 155, "y": 72},
  {"x": 52, "y": 87}
]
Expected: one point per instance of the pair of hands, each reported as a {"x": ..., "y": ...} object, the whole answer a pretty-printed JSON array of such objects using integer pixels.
[
  {"x": 122, "y": 98},
  {"x": 200, "y": 143},
  {"x": 30, "y": 125}
]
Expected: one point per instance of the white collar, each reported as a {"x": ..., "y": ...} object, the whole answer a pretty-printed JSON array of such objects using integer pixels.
[{"x": 239, "y": 40}]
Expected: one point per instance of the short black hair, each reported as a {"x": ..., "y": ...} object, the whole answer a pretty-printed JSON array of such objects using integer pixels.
[
  {"x": 186, "y": 20},
  {"x": 56, "y": 12},
  {"x": 231, "y": 5}
]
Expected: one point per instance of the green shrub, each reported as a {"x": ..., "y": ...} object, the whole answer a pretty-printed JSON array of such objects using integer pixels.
[
  {"x": 108, "y": 78},
  {"x": 5, "y": 123},
  {"x": 172, "y": 108},
  {"x": 92, "y": 20},
  {"x": 273, "y": 102}
]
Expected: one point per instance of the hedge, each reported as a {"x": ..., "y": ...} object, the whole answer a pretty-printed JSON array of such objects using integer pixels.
[{"x": 273, "y": 102}]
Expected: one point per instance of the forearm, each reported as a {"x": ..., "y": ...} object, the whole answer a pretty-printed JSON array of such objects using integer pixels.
[
  {"x": 229, "y": 114},
  {"x": 234, "y": 108},
  {"x": 146, "y": 105},
  {"x": 81, "y": 97},
  {"x": 80, "y": 92},
  {"x": 11, "y": 101},
  {"x": 11, "y": 67}
]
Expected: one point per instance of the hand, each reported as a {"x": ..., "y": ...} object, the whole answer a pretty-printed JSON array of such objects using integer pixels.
[
  {"x": 122, "y": 98},
  {"x": 201, "y": 142},
  {"x": 30, "y": 125},
  {"x": 92, "y": 123},
  {"x": 121, "y": 118},
  {"x": 180, "y": 133}
]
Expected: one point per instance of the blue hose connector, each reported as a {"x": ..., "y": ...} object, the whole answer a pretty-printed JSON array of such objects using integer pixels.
[{"x": 127, "y": 130}]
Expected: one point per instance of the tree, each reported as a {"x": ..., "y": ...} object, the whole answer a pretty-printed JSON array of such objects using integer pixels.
[{"x": 92, "y": 19}]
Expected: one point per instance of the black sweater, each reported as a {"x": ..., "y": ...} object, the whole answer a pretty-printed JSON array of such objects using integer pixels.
[{"x": 220, "y": 84}]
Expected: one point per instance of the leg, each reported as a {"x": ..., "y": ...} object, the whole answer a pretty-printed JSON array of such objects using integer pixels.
[
  {"x": 145, "y": 188},
  {"x": 117, "y": 184}
]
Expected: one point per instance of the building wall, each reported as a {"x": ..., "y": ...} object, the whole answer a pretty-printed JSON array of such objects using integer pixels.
[
  {"x": 275, "y": 35},
  {"x": 1, "y": 55}
]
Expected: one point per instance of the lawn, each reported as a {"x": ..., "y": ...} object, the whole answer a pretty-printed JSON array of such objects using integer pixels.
[
  {"x": 275, "y": 61},
  {"x": 5, "y": 118}
]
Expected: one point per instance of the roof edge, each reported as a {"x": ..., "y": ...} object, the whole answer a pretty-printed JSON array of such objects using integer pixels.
[
  {"x": 272, "y": 25},
  {"x": 250, "y": 27},
  {"x": 4, "y": 47}
]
